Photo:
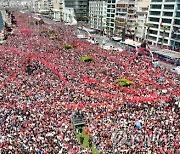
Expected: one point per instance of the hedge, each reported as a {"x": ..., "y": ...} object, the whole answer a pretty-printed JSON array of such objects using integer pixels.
[
  {"x": 123, "y": 82},
  {"x": 67, "y": 46},
  {"x": 55, "y": 38},
  {"x": 86, "y": 58}
]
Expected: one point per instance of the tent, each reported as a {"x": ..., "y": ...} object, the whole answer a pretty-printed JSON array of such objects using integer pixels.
[{"x": 132, "y": 43}]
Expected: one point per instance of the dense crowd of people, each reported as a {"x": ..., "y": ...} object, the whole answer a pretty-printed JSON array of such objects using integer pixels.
[{"x": 42, "y": 84}]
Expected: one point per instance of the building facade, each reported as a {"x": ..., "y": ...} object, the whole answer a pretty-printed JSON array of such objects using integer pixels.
[
  {"x": 141, "y": 17},
  {"x": 164, "y": 17},
  {"x": 58, "y": 6},
  {"x": 111, "y": 15},
  {"x": 81, "y": 8},
  {"x": 121, "y": 16},
  {"x": 97, "y": 14},
  {"x": 128, "y": 16}
]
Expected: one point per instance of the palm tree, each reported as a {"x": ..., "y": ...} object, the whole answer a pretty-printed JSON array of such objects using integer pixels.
[
  {"x": 116, "y": 25},
  {"x": 95, "y": 21},
  {"x": 107, "y": 24},
  {"x": 148, "y": 25},
  {"x": 135, "y": 32},
  {"x": 87, "y": 18},
  {"x": 164, "y": 28},
  {"x": 101, "y": 18}
]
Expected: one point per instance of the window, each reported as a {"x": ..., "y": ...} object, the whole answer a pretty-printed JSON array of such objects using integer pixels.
[
  {"x": 169, "y": 0},
  {"x": 169, "y": 14},
  {"x": 154, "y": 19},
  {"x": 169, "y": 7},
  {"x": 156, "y": 6},
  {"x": 155, "y": 13},
  {"x": 156, "y": 0},
  {"x": 166, "y": 21}
]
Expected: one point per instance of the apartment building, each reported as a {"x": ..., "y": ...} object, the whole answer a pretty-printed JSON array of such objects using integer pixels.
[
  {"x": 121, "y": 16},
  {"x": 58, "y": 12},
  {"x": 175, "y": 37},
  {"x": 164, "y": 17},
  {"x": 36, "y": 5},
  {"x": 81, "y": 8},
  {"x": 111, "y": 15},
  {"x": 97, "y": 14},
  {"x": 141, "y": 17}
]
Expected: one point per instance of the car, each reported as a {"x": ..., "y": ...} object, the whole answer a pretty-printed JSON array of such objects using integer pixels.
[
  {"x": 176, "y": 70},
  {"x": 155, "y": 62}
]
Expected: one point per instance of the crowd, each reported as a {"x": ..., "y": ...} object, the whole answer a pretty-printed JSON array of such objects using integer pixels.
[{"x": 42, "y": 84}]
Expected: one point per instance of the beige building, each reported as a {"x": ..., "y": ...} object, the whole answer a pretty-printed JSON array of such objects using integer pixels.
[
  {"x": 62, "y": 13},
  {"x": 58, "y": 6},
  {"x": 131, "y": 15},
  {"x": 97, "y": 14},
  {"x": 141, "y": 17}
]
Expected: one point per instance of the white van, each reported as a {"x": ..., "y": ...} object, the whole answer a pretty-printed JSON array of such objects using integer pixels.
[{"x": 176, "y": 70}]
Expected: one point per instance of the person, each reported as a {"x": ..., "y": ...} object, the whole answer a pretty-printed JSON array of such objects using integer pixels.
[
  {"x": 90, "y": 142},
  {"x": 81, "y": 139}
]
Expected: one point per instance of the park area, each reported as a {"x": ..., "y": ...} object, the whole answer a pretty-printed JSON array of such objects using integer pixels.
[{"x": 46, "y": 73}]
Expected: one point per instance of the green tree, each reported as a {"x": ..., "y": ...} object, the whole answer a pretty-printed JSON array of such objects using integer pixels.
[
  {"x": 116, "y": 26},
  {"x": 101, "y": 26},
  {"x": 164, "y": 28},
  {"x": 148, "y": 26},
  {"x": 135, "y": 32}
]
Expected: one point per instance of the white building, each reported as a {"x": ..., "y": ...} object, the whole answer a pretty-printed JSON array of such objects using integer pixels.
[
  {"x": 121, "y": 16},
  {"x": 97, "y": 14},
  {"x": 69, "y": 16},
  {"x": 58, "y": 6},
  {"x": 111, "y": 15},
  {"x": 164, "y": 13},
  {"x": 141, "y": 17},
  {"x": 62, "y": 13}
]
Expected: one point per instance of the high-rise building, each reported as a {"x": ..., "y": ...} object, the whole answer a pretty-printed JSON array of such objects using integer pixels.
[
  {"x": 121, "y": 16},
  {"x": 164, "y": 21},
  {"x": 131, "y": 16},
  {"x": 81, "y": 8},
  {"x": 97, "y": 14},
  {"x": 58, "y": 6},
  {"x": 141, "y": 17},
  {"x": 111, "y": 15}
]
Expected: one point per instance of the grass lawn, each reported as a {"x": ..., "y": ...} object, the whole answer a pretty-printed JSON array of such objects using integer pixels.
[{"x": 86, "y": 142}]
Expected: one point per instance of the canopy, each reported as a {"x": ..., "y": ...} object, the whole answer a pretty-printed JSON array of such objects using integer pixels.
[
  {"x": 117, "y": 38},
  {"x": 132, "y": 43}
]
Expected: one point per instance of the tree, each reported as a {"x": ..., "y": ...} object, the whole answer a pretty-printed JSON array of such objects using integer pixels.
[
  {"x": 95, "y": 21},
  {"x": 101, "y": 27},
  {"x": 87, "y": 18},
  {"x": 107, "y": 24},
  {"x": 116, "y": 26},
  {"x": 164, "y": 28},
  {"x": 148, "y": 25},
  {"x": 135, "y": 32}
]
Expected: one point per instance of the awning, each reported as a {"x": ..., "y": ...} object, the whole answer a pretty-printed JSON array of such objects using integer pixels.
[
  {"x": 117, "y": 38},
  {"x": 132, "y": 43}
]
